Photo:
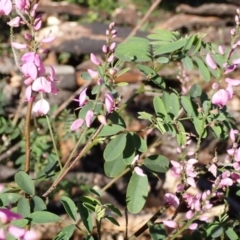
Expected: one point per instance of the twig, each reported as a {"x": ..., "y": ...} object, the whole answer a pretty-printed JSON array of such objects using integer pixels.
[
  {"x": 27, "y": 136},
  {"x": 144, "y": 19},
  {"x": 68, "y": 101}
]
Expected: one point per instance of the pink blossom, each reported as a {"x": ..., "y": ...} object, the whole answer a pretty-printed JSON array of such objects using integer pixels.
[
  {"x": 232, "y": 134},
  {"x": 7, "y": 216},
  {"x": 18, "y": 45},
  {"x": 41, "y": 84},
  {"x": 28, "y": 93},
  {"x": 176, "y": 168},
  {"x": 171, "y": 199},
  {"x": 41, "y": 107},
  {"x": 104, "y": 48},
  {"x": 112, "y": 46},
  {"x": 110, "y": 58},
  {"x": 21, "y": 4},
  {"x": 5, "y": 7},
  {"x": 93, "y": 74},
  {"x": 28, "y": 36},
  {"x": 139, "y": 171},
  {"x": 77, "y": 124},
  {"x": 102, "y": 119},
  {"x": 233, "y": 82},
  {"x": 89, "y": 117},
  {"x": 210, "y": 62},
  {"x": 226, "y": 182},
  {"x": 221, "y": 50},
  {"x": 189, "y": 214},
  {"x": 48, "y": 39},
  {"x": 221, "y": 97},
  {"x": 94, "y": 59},
  {"x": 180, "y": 187},
  {"x": 135, "y": 159},
  {"x": 213, "y": 169},
  {"x": 109, "y": 102},
  {"x": 15, "y": 22},
  {"x": 82, "y": 97},
  {"x": 237, "y": 155},
  {"x": 29, "y": 69},
  {"x": 33, "y": 11},
  {"x": 230, "y": 69},
  {"x": 37, "y": 22},
  {"x": 191, "y": 182},
  {"x": 215, "y": 86},
  {"x": 193, "y": 226},
  {"x": 22, "y": 233},
  {"x": 170, "y": 223}
]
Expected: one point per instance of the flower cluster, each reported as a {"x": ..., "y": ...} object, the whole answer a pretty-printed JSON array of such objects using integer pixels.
[
  {"x": 223, "y": 96},
  {"x": 109, "y": 102},
  {"x": 6, "y": 216},
  {"x": 36, "y": 78}
]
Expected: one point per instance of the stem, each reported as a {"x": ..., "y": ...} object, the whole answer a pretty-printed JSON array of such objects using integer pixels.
[
  {"x": 142, "y": 229},
  {"x": 54, "y": 142},
  {"x": 27, "y": 137},
  {"x": 98, "y": 223}
]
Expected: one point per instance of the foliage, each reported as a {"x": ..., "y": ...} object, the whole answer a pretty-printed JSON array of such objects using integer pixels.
[{"x": 99, "y": 121}]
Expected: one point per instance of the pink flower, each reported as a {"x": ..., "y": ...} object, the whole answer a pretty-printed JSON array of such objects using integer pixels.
[
  {"x": 230, "y": 69},
  {"x": 232, "y": 82},
  {"x": 171, "y": 199},
  {"x": 112, "y": 46},
  {"x": 23, "y": 234},
  {"x": 18, "y": 45},
  {"x": 48, "y": 39},
  {"x": 28, "y": 93},
  {"x": 215, "y": 86},
  {"x": 221, "y": 97},
  {"x": 41, "y": 107},
  {"x": 15, "y": 22},
  {"x": 37, "y": 22},
  {"x": 104, "y": 49},
  {"x": 193, "y": 226},
  {"x": 29, "y": 69},
  {"x": 21, "y": 4},
  {"x": 191, "y": 182},
  {"x": 210, "y": 62},
  {"x": 77, "y": 124},
  {"x": 213, "y": 169},
  {"x": 89, "y": 117},
  {"x": 7, "y": 216},
  {"x": 110, "y": 58},
  {"x": 102, "y": 119},
  {"x": 139, "y": 171},
  {"x": 82, "y": 97},
  {"x": 176, "y": 168},
  {"x": 221, "y": 50},
  {"x": 232, "y": 134},
  {"x": 5, "y": 7},
  {"x": 41, "y": 84},
  {"x": 109, "y": 102},
  {"x": 93, "y": 74},
  {"x": 170, "y": 223},
  {"x": 189, "y": 214},
  {"x": 94, "y": 59}
]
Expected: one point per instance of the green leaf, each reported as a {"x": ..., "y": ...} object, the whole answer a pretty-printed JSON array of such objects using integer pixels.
[
  {"x": 217, "y": 130},
  {"x": 175, "y": 103},
  {"x": 123, "y": 71},
  {"x": 181, "y": 134},
  {"x": 199, "y": 125},
  {"x": 139, "y": 143},
  {"x": 202, "y": 68},
  {"x": 137, "y": 192},
  {"x": 195, "y": 91},
  {"x": 114, "y": 168},
  {"x": 115, "y": 118},
  {"x": 21, "y": 223},
  {"x": 129, "y": 150},
  {"x": 189, "y": 43},
  {"x": 44, "y": 217},
  {"x": 160, "y": 125},
  {"x": 188, "y": 106},
  {"x": 95, "y": 89},
  {"x": 129, "y": 50},
  {"x": 66, "y": 233},
  {"x": 112, "y": 220},
  {"x": 162, "y": 60},
  {"x": 86, "y": 76},
  {"x": 25, "y": 182},
  {"x": 115, "y": 147},
  {"x": 157, "y": 163},
  {"x": 170, "y": 47},
  {"x": 85, "y": 216},
  {"x": 23, "y": 207},
  {"x": 37, "y": 204},
  {"x": 8, "y": 199},
  {"x": 110, "y": 130},
  {"x": 69, "y": 207},
  {"x": 231, "y": 234},
  {"x": 145, "y": 115},
  {"x": 113, "y": 209},
  {"x": 197, "y": 46},
  {"x": 187, "y": 63},
  {"x": 157, "y": 232},
  {"x": 217, "y": 231},
  {"x": 159, "y": 107},
  {"x": 161, "y": 34},
  {"x": 150, "y": 74}
]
